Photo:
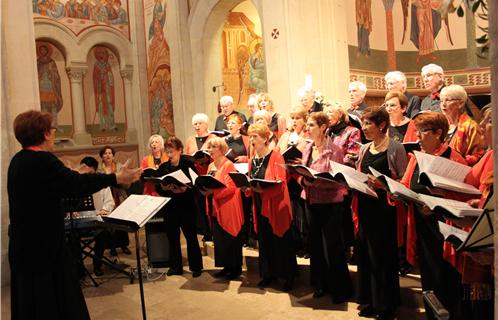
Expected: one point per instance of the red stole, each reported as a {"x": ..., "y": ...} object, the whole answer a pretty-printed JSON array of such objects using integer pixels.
[
  {"x": 275, "y": 201},
  {"x": 227, "y": 202}
]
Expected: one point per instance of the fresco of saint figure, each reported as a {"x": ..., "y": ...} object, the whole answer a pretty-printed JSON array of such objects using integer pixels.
[
  {"x": 426, "y": 23},
  {"x": 49, "y": 82},
  {"x": 103, "y": 87},
  {"x": 257, "y": 74},
  {"x": 364, "y": 25}
]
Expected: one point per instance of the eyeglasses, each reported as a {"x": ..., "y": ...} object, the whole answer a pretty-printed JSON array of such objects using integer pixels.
[
  {"x": 390, "y": 105},
  {"x": 443, "y": 101},
  {"x": 424, "y": 130},
  {"x": 430, "y": 74}
]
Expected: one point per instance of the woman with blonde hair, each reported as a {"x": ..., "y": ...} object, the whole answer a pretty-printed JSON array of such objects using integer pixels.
[
  {"x": 200, "y": 122},
  {"x": 226, "y": 213},
  {"x": 156, "y": 157},
  {"x": 296, "y": 136},
  {"x": 343, "y": 134},
  {"x": 278, "y": 123},
  {"x": 264, "y": 117}
]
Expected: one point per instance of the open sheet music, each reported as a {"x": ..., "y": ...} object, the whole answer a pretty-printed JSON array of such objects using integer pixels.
[
  {"x": 199, "y": 156},
  {"x": 242, "y": 180},
  {"x": 292, "y": 153},
  {"x": 136, "y": 210},
  {"x": 242, "y": 167},
  {"x": 444, "y": 173},
  {"x": 342, "y": 174},
  {"x": 482, "y": 233},
  {"x": 309, "y": 173},
  {"x": 456, "y": 208},
  {"x": 205, "y": 181},
  {"x": 154, "y": 172},
  {"x": 177, "y": 178},
  {"x": 449, "y": 231}
]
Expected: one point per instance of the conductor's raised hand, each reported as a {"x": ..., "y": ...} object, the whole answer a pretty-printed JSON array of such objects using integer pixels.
[{"x": 127, "y": 175}]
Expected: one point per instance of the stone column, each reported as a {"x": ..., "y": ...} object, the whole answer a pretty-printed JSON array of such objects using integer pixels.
[
  {"x": 80, "y": 136},
  {"x": 19, "y": 93},
  {"x": 131, "y": 131}
]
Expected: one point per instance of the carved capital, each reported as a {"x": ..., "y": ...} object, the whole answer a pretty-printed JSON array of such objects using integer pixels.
[
  {"x": 127, "y": 74},
  {"x": 76, "y": 74}
]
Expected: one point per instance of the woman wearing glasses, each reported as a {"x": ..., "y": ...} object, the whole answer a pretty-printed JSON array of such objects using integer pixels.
[
  {"x": 423, "y": 237},
  {"x": 463, "y": 134}
]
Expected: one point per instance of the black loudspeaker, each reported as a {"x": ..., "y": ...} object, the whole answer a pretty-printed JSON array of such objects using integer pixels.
[{"x": 158, "y": 251}]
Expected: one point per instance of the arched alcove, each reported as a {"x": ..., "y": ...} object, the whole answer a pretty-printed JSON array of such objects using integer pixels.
[{"x": 205, "y": 26}]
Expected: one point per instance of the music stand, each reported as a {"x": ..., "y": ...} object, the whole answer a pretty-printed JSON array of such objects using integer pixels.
[
  {"x": 71, "y": 205},
  {"x": 131, "y": 215}
]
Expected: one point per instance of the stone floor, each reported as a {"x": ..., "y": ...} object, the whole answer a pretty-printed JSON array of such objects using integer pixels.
[{"x": 184, "y": 297}]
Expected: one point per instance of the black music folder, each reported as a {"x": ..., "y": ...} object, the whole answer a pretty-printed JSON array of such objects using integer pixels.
[{"x": 242, "y": 180}]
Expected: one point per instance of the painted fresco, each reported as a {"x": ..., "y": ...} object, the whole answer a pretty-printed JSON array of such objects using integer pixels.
[
  {"x": 244, "y": 70},
  {"x": 412, "y": 33},
  {"x": 54, "y": 87},
  {"x": 79, "y": 15},
  {"x": 104, "y": 95},
  {"x": 158, "y": 69}
]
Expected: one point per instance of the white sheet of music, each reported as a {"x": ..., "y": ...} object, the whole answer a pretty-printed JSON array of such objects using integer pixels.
[
  {"x": 396, "y": 187},
  {"x": 139, "y": 208},
  {"x": 242, "y": 167},
  {"x": 455, "y": 207},
  {"x": 447, "y": 230},
  {"x": 441, "y": 166},
  {"x": 337, "y": 168},
  {"x": 360, "y": 186}
]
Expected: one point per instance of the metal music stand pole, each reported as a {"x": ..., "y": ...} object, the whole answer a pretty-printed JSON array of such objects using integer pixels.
[{"x": 140, "y": 281}]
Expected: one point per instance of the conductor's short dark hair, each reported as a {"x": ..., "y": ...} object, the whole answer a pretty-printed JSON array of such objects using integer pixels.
[{"x": 31, "y": 126}]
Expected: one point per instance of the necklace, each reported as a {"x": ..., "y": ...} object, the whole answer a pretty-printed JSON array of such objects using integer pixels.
[
  {"x": 380, "y": 147},
  {"x": 257, "y": 164}
]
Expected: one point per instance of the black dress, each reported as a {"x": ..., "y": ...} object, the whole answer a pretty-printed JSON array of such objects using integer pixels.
[
  {"x": 378, "y": 281},
  {"x": 277, "y": 258},
  {"x": 436, "y": 273},
  {"x": 43, "y": 282},
  {"x": 180, "y": 212},
  {"x": 237, "y": 145}
]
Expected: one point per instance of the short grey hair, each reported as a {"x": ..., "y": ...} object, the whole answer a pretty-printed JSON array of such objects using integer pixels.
[
  {"x": 396, "y": 75},
  {"x": 200, "y": 117},
  {"x": 226, "y": 100},
  {"x": 358, "y": 85},
  {"x": 304, "y": 91},
  {"x": 252, "y": 99},
  {"x": 158, "y": 137},
  {"x": 432, "y": 67},
  {"x": 262, "y": 114},
  {"x": 455, "y": 91}
]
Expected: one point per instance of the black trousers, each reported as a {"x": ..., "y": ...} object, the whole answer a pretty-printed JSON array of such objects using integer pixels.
[
  {"x": 227, "y": 248},
  {"x": 436, "y": 273},
  {"x": 329, "y": 268},
  {"x": 186, "y": 221}
]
